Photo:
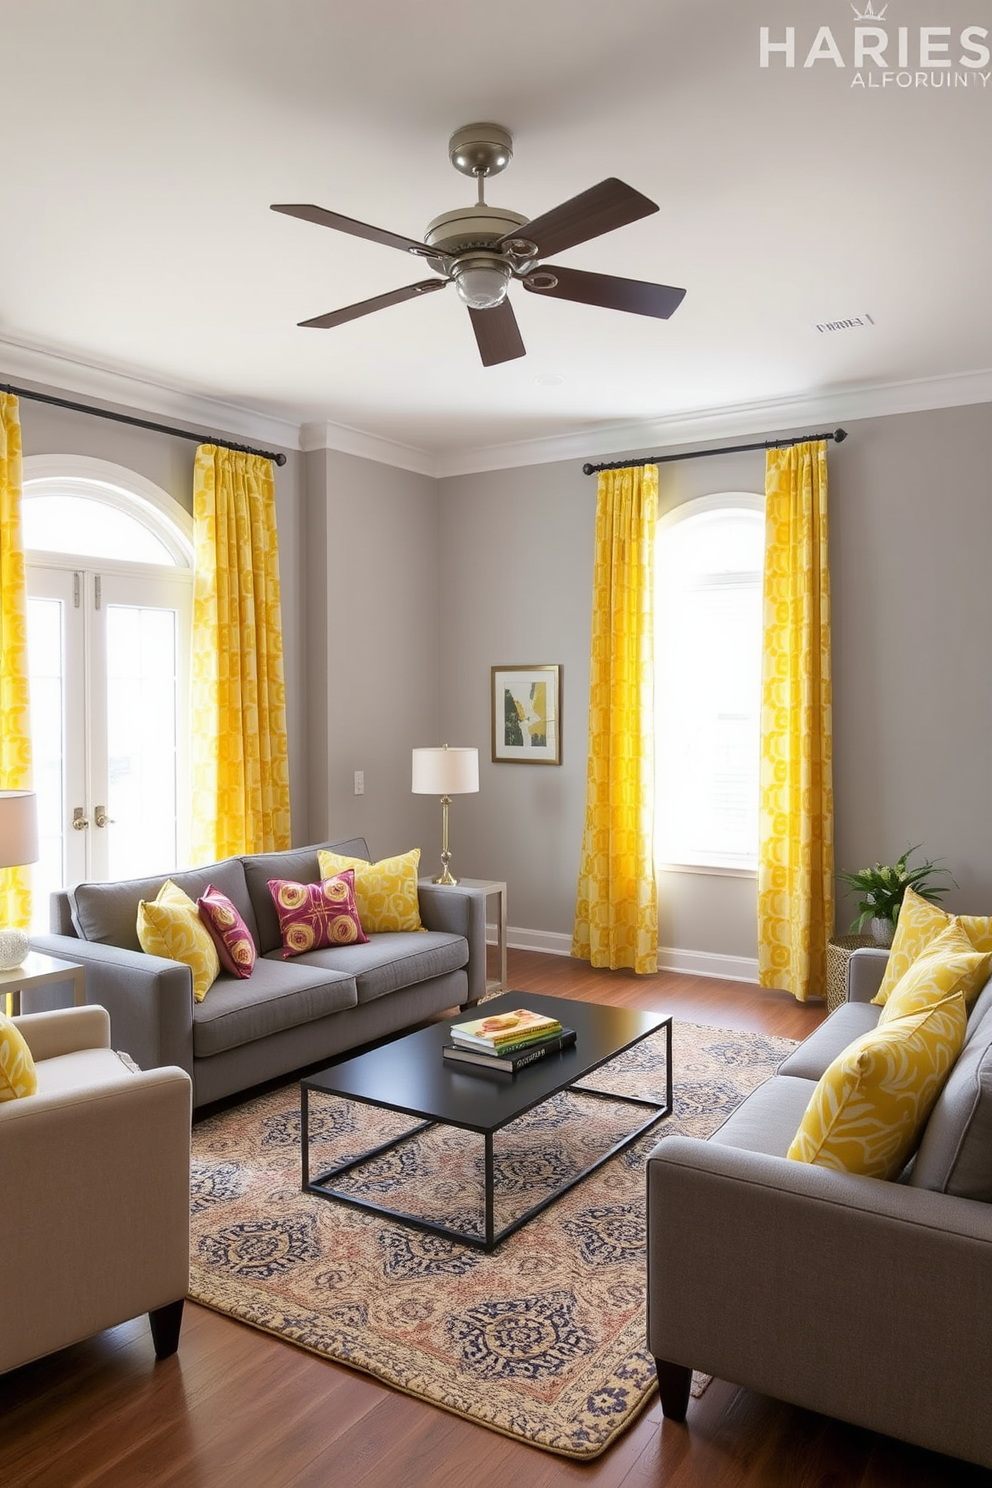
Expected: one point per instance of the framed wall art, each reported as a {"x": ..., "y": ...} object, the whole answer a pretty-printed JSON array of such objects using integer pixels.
[{"x": 526, "y": 708}]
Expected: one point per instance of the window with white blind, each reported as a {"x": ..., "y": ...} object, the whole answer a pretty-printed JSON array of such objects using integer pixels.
[{"x": 709, "y": 559}]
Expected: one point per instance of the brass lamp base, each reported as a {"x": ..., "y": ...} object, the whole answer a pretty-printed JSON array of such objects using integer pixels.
[{"x": 445, "y": 876}]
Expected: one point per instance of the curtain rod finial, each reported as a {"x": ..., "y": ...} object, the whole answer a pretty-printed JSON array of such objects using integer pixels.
[
  {"x": 588, "y": 469},
  {"x": 839, "y": 436}
]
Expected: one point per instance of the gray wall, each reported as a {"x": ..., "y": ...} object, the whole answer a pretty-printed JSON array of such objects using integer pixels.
[
  {"x": 401, "y": 592},
  {"x": 372, "y": 597},
  {"x": 911, "y": 529}
]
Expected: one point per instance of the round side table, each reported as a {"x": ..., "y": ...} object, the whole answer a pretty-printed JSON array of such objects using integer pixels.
[{"x": 839, "y": 952}]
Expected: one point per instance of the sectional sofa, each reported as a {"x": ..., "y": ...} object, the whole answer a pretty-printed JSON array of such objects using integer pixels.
[
  {"x": 288, "y": 1013},
  {"x": 864, "y": 1298}
]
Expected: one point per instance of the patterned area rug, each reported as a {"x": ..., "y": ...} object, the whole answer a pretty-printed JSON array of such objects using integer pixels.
[{"x": 543, "y": 1340}]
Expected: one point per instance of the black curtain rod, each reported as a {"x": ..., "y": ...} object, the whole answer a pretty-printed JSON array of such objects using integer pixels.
[
  {"x": 728, "y": 449},
  {"x": 125, "y": 418}
]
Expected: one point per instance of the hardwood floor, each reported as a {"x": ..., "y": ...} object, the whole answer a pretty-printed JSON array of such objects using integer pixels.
[{"x": 237, "y": 1407}]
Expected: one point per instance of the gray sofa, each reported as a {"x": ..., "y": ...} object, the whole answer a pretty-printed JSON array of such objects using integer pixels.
[
  {"x": 287, "y": 1014},
  {"x": 863, "y": 1299}
]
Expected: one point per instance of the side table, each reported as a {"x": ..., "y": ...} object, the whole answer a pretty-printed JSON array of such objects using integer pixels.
[
  {"x": 36, "y": 970},
  {"x": 492, "y": 888},
  {"x": 839, "y": 952}
]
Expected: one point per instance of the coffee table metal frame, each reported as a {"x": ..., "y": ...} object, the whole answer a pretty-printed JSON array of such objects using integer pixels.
[{"x": 356, "y": 1079}]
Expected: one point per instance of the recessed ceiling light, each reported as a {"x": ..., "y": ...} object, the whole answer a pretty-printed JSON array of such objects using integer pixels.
[{"x": 548, "y": 379}]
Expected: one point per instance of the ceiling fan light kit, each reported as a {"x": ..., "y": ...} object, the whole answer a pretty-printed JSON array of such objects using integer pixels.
[{"x": 482, "y": 249}]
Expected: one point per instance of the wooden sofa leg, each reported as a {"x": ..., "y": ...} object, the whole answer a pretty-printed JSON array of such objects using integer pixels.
[
  {"x": 674, "y": 1381},
  {"x": 165, "y": 1324}
]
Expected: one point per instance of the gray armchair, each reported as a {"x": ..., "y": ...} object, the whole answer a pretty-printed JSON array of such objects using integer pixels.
[{"x": 95, "y": 1170}]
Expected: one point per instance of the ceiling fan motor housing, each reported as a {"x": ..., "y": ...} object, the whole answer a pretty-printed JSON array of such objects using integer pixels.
[{"x": 477, "y": 226}]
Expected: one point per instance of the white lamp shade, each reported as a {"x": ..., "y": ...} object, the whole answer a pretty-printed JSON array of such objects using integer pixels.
[
  {"x": 18, "y": 828},
  {"x": 445, "y": 772}
]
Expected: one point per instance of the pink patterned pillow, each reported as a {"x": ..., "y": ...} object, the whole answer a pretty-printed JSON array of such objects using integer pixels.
[
  {"x": 312, "y": 916},
  {"x": 235, "y": 947}
]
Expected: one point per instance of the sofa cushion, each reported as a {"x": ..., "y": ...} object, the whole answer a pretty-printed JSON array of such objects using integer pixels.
[
  {"x": 18, "y": 1074},
  {"x": 235, "y": 947},
  {"x": 277, "y": 995},
  {"x": 299, "y": 864},
  {"x": 947, "y": 963},
  {"x": 108, "y": 912},
  {"x": 766, "y": 1122},
  {"x": 391, "y": 961},
  {"x": 315, "y": 915},
  {"x": 169, "y": 925},
  {"x": 868, "y": 1110},
  {"x": 955, "y": 1154},
  {"x": 817, "y": 1053},
  {"x": 386, "y": 891}
]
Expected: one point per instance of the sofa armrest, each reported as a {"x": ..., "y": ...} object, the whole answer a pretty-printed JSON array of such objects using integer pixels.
[
  {"x": 149, "y": 999},
  {"x": 64, "y": 1031},
  {"x": 459, "y": 911},
  {"x": 865, "y": 970},
  {"x": 96, "y": 1184},
  {"x": 847, "y": 1295}
]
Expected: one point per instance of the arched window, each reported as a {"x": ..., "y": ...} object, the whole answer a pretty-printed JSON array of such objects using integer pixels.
[
  {"x": 108, "y": 559},
  {"x": 709, "y": 562}
]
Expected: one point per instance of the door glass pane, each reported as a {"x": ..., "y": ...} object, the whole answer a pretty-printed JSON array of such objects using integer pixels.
[
  {"x": 81, "y": 525},
  {"x": 45, "y": 671},
  {"x": 142, "y": 739}
]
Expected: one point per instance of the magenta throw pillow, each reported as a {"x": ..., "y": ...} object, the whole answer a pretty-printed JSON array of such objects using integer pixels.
[
  {"x": 314, "y": 916},
  {"x": 235, "y": 947}
]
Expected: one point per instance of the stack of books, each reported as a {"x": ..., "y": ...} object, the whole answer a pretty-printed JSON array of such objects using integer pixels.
[{"x": 507, "y": 1041}]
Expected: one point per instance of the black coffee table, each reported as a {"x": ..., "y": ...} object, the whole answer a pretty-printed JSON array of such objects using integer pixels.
[{"x": 410, "y": 1075}]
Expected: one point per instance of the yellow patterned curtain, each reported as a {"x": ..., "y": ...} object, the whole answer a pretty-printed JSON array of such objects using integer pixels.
[
  {"x": 238, "y": 704},
  {"x": 796, "y": 826},
  {"x": 15, "y": 727},
  {"x": 616, "y": 913}
]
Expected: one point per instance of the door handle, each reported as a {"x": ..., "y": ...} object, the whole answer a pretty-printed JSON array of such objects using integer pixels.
[
  {"x": 80, "y": 821},
  {"x": 101, "y": 818}
]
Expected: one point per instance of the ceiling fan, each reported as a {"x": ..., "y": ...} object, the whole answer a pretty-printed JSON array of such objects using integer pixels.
[{"x": 480, "y": 249}]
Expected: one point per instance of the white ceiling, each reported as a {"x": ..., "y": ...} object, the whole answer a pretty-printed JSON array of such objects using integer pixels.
[{"x": 144, "y": 143}]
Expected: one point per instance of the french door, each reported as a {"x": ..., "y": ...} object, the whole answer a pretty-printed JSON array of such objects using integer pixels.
[{"x": 108, "y": 656}]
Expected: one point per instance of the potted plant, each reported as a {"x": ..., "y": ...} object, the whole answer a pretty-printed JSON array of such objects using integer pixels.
[{"x": 881, "y": 890}]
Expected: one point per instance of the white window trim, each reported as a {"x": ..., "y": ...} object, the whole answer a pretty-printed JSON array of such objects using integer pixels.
[
  {"x": 102, "y": 480},
  {"x": 714, "y": 866}
]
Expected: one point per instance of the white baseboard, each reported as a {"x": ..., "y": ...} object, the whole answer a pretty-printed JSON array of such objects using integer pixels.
[{"x": 690, "y": 963}]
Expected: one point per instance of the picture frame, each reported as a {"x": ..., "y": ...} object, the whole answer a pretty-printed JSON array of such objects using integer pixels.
[{"x": 526, "y": 714}]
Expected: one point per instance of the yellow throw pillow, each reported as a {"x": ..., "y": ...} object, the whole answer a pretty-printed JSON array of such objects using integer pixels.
[
  {"x": 169, "y": 925},
  {"x": 949, "y": 964},
  {"x": 385, "y": 892},
  {"x": 18, "y": 1075},
  {"x": 978, "y": 929},
  {"x": 869, "y": 1108},
  {"x": 919, "y": 923}
]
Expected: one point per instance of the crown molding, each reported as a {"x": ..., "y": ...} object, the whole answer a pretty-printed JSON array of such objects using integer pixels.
[
  {"x": 743, "y": 419},
  {"x": 325, "y": 435},
  {"x": 59, "y": 372}
]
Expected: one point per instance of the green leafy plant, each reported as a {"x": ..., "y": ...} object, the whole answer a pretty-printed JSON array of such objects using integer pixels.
[{"x": 881, "y": 889}]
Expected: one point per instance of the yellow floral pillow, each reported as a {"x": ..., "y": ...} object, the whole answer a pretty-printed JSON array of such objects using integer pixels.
[
  {"x": 978, "y": 929},
  {"x": 18, "y": 1075},
  {"x": 869, "y": 1108},
  {"x": 169, "y": 925},
  {"x": 385, "y": 892},
  {"x": 919, "y": 923},
  {"x": 949, "y": 964}
]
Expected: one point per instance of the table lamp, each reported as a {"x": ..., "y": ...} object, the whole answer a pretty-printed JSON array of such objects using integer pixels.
[
  {"x": 445, "y": 772},
  {"x": 18, "y": 847}
]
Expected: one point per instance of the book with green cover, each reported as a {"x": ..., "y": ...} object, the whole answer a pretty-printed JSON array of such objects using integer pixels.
[
  {"x": 503, "y": 1030},
  {"x": 511, "y": 1060}
]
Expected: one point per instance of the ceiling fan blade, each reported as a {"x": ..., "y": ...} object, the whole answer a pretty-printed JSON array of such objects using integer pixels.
[
  {"x": 323, "y": 218},
  {"x": 633, "y": 295},
  {"x": 498, "y": 334},
  {"x": 379, "y": 302},
  {"x": 599, "y": 210}
]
